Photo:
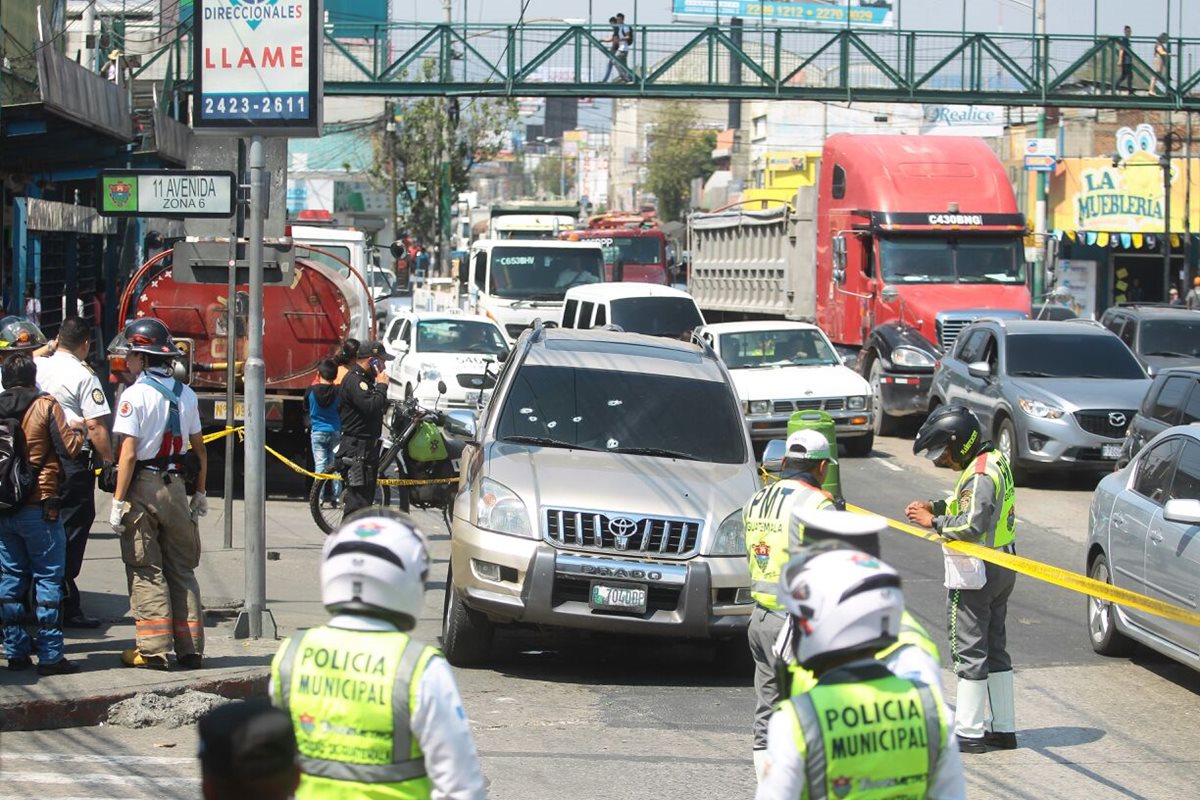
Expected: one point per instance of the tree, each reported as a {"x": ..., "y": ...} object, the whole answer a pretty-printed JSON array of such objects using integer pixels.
[
  {"x": 554, "y": 175},
  {"x": 415, "y": 150},
  {"x": 679, "y": 153}
]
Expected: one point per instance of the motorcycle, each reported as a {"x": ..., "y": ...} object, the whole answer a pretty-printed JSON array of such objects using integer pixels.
[{"x": 420, "y": 445}]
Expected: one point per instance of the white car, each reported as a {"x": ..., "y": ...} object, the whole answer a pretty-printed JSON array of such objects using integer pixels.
[
  {"x": 455, "y": 348},
  {"x": 783, "y": 367}
]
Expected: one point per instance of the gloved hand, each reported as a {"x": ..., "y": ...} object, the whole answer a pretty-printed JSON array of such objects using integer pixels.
[
  {"x": 199, "y": 505},
  {"x": 119, "y": 509}
]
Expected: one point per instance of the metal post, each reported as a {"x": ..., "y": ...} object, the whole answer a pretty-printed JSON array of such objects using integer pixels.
[
  {"x": 89, "y": 30},
  {"x": 1166, "y": 165},
  {"x": 562, "y": 170},
  {"x": 443, "y": 215},
  {"x": 1187, "y": 206},
  {"x": 230, "y": 385},
  {"x": 256, "y": 439},
  {"x": 1040, "y": 239}
]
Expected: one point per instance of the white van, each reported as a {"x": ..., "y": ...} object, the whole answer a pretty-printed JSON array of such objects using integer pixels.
[
  {"x": 515, "y": 282},
  {"x": 633, "y": 307}
]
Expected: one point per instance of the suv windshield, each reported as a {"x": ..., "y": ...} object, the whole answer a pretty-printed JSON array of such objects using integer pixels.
[
  {"x": 978, "y": 259},
  {"x": 595, "y": 409},
  {"x": 781, "y": 348},
  {"x": 1070, "y": 355},
  {"x": 459, "y": 336},
  {"x": 657, "y": 316},
  {"x": 542, "y": 273},
  {"x": 1170, "y": 337}
]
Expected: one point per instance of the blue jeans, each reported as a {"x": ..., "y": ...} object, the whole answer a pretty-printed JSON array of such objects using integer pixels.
[
  {"x": 32, "y": 550},
  {"x": 323, "y": 444}
]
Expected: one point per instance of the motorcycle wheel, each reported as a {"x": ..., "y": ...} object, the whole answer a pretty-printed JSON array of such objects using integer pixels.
[{"x": 328, "y": 516}]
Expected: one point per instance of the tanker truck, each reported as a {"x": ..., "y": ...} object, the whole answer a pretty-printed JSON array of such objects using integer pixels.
[{"x": 902, "y": 242}]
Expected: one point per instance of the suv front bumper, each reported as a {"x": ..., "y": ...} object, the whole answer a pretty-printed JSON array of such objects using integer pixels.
[{"x": 543, "y": 585}]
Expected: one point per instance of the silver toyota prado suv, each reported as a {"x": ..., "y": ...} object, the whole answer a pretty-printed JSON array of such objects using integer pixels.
[{"x": 603, "y": 492}]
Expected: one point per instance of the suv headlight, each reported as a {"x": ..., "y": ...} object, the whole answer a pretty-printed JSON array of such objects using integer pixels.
[
  {"x": 858, "y": 403},
  {"x": 499, "y": 509},
  {"x": 731, "y": 536},
  {"x": 756, "y": 406},
  {"x": 905, "y": 356},
  {"x": 1037, "y": 408}
]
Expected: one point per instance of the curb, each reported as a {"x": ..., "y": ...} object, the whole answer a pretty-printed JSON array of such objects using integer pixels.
[{"x": 41, "y": 714}]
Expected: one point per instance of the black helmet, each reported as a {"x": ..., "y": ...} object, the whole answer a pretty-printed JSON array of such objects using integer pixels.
[
  {"x": 19, "y": 335},
  {"x": 151, "y": 337},
  {"x": 952, "y": 428}
]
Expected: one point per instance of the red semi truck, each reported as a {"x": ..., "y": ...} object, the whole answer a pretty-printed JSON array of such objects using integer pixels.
[
  {"x": 902, "y": 243},
  {"x": 643, "y": 252}
]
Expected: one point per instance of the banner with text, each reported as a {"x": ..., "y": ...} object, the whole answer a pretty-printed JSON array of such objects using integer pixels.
[{"x": 837, "y": 13}]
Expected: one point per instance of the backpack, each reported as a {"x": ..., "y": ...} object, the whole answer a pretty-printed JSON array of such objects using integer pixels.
[{"x": 18, "y": 478}]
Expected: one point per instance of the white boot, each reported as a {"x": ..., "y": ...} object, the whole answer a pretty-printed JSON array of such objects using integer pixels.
[
  {"x": 760, "y": 764},
  {"x": 970, "y": 708},
  {"x": 1002, "y": 730}
]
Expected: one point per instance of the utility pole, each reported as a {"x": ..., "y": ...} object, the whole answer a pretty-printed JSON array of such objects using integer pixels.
[
  {"x": 1039, "y": 271},
  {"x": 443, "y": 250},
  {"x": 389, "y": 128},
  {"x": 89, "y": 37}
]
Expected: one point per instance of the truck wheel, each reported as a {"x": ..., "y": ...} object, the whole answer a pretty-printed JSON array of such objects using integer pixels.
[
  {"x": 466, "y": 634},
  {"x": 885, "y": 424},
  {"x": 860, "y": 446}
]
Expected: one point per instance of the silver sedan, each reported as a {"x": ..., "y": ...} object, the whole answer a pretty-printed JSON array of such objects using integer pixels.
[{"x": 1144, "y": 535}]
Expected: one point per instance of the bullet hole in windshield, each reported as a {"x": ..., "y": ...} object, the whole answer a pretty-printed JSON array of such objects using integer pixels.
[
  {"x": 576, "y": 419},
  {"x": 526, "y": 410},
  {"x": 532, "y": 418},
  {"x": 614, "y": 403},
  {"x": 551, "y": 424},
  {"x": 612, "y": 443}
]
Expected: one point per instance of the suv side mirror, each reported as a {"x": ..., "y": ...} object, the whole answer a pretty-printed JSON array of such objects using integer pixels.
[
  {"x": 460, "y": 423},
  {"x": 979, "y": 369},
  {"x": 772, "y": 460},
  {"x": 1185, "y": 511}
]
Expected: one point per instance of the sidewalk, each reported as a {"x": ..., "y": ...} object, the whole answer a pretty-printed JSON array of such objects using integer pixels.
[{"x": 233, "y": 668}]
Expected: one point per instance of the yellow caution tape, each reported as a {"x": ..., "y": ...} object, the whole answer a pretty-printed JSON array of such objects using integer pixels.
[{"x": 1054, "y": 575}]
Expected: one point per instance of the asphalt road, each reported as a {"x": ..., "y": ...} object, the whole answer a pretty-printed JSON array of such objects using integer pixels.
[{"x": 598, "y": 717}]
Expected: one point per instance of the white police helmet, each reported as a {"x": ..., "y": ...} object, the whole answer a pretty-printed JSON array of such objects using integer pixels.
[
  {"x": 376, "y": 564},
  {"x": 842, "y": 600}
]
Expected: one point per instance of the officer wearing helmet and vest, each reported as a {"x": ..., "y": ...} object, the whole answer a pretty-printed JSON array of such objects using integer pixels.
[
  {"x": 914, "y": 653},
  {"x": 980, "y": 510},
  {"x": 861, "y": 731},
  {"x": 159, "y": 419},
  {"x": 377, "y": 713},
  {"x": 772, "y": 533}
]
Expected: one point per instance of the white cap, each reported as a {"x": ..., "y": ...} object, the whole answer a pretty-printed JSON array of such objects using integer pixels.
[{"x": 807, "y": 443}]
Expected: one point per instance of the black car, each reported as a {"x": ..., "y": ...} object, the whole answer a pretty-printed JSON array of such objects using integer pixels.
[
  {"x": 1173, "y": 399},
  {"x": 1160, "y": 336}
]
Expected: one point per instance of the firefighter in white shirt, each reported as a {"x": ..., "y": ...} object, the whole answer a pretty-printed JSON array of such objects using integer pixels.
[
  {"x": 160, "y": 540},
  {"x": 66, "y": 375},
  {"x": 377, "y": 713}
]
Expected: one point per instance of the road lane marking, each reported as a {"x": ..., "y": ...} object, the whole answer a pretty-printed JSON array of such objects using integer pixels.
[
  {"x": 96, "y": 759},
  {"x": 98, "y": 778},
  {"x": 890, "y": 465}
]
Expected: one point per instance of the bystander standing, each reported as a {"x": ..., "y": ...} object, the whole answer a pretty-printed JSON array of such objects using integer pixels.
[{"x": 325, "y": 424}]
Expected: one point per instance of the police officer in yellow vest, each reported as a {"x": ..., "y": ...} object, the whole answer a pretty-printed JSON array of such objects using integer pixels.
[
  {"x": 772, "y": 531},
  {"x": 861, "y": 733},
  {"x": 914, "y": 653},
  {"x": 377, "y": 713},
  {"x": 980, "y": 510}
]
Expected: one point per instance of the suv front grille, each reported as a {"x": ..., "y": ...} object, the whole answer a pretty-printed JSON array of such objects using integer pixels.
[
  {"x": 788, "y": 406},
  {"x": 620, "y": 533},
  {"x": 948, "y": 329},
  {"x": 1105, "y": 422}
]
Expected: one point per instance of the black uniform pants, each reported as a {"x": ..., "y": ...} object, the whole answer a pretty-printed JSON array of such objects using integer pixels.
[
  {"x": 360, "y": 472},
  {"x": 77, "y": 512}
]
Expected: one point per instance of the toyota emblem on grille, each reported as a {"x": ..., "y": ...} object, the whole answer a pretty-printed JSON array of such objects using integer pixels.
[
  {"x": 1116, "y": 419},
  {"x": 622, "y": 529}
]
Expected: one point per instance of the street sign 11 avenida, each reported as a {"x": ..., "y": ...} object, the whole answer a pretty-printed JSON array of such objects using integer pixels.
[
  {"x": 166, "y": 193},
  {"x": 257, "y": 67}
]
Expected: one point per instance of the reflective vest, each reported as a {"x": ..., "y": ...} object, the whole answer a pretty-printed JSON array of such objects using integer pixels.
[
  {"x": 351, "y": 695},
  {"x": 912, "y": 634},
  {"x": 994, "y": 465},
  {"x": 773, "y": 532},
  {"x": 865, "y": 734}
]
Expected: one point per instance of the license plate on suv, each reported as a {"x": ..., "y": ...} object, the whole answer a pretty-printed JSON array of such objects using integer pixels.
[
  {"x": 1112, "y": 451},
  {"x": 618, "y": 597}
]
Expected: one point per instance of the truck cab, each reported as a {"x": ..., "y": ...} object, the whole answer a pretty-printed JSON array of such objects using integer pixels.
[
  {"x": 917, "y": 237},
  {"x": 516, "y": 282},
  {"x": 635, "y": 255},
  {"x": 531, "y": 220}
]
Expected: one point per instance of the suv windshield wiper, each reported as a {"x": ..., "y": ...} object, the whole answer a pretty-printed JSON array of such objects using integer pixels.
[
  {"x": 654, "y": 451},
  {"x": 544, "y": 441},
  {"x": 1031, "y": 373},
  {"x": 1170, "y": 354}
]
